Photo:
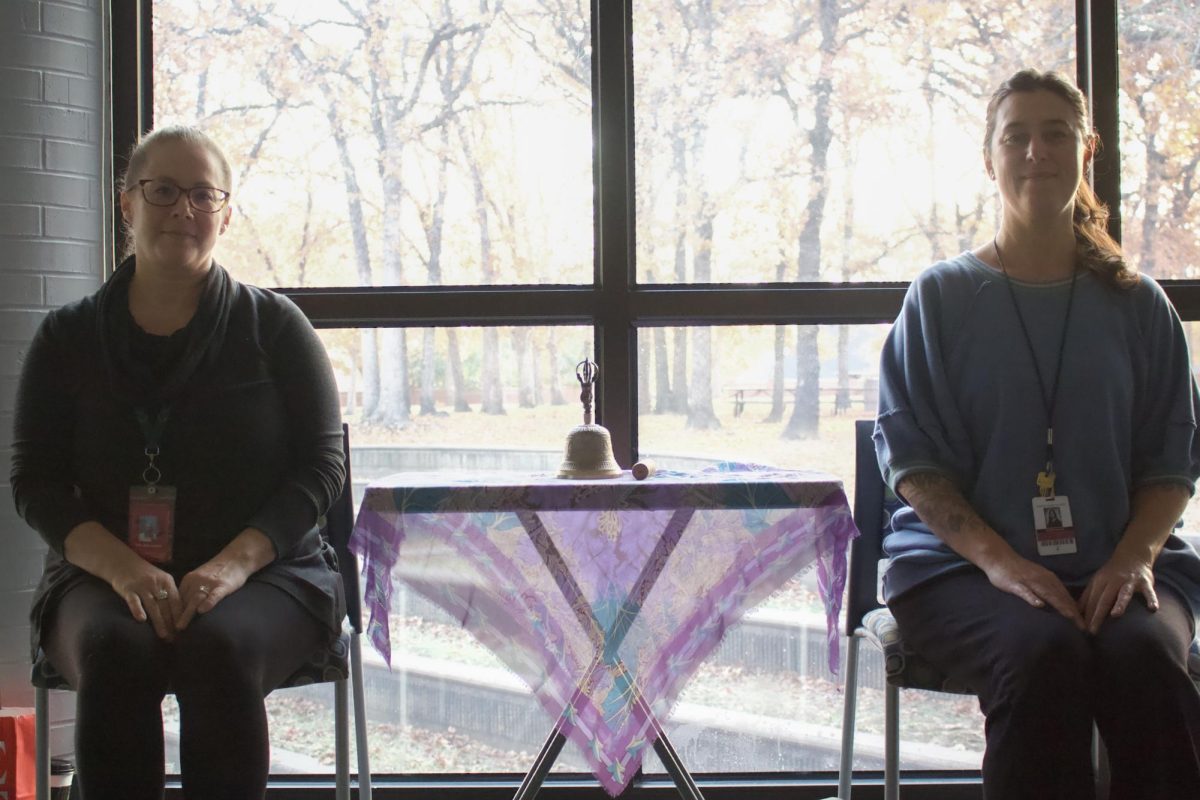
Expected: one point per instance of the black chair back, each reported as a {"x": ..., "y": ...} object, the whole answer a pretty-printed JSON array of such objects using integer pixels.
[
  {"x": 873, "y": 504},
  {"x": 339, "y": 524}
]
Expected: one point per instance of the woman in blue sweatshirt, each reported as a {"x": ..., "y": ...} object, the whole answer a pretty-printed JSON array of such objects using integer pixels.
[{"x": 1038, "y": 416}]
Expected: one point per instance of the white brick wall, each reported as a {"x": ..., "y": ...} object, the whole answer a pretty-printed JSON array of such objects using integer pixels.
[{"x": 51, "y": 251}]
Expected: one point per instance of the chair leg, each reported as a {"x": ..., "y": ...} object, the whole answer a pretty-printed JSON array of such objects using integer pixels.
[
  {"x": 891, "y": 743},
  {"x": 341, "y": 722},
  {"x": 849, "y": 710},
  {"x": 41, "y": 702},
  {"x": 360, "y": 718}
]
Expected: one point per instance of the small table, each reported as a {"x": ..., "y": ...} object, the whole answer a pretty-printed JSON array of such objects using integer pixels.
[{"x": 590, "y": 590}]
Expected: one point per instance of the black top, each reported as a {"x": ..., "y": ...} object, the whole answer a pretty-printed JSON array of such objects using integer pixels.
[{"x": 253, "y": 437}]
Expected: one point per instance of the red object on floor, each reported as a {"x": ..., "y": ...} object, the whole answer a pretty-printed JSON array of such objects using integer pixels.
[{"x": 17, "y": 759}]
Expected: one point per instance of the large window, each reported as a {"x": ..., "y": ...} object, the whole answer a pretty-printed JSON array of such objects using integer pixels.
[
  {"x": 1160, "y": 92},
  {"x": 785, "y": 141},
  {"x": 721, "y": 202},
  {"x": 384, "y": 144}
]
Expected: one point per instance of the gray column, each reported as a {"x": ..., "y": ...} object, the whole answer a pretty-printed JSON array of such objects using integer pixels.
[{"x": 52, "y": 243}]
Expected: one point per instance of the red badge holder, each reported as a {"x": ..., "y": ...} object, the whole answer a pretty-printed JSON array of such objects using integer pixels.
[
  {"x": 152, "y": 506},
  {"x": 152, "y": 522}
]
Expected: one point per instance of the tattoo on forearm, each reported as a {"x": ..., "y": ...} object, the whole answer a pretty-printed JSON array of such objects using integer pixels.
[
  {"x": 938, "y": 502},
  {"x": 954, "y": 521}
]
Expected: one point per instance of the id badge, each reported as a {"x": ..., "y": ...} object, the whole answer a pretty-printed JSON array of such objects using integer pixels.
[
  {"x": 152, "y": 522},
  {"x": 1053, "y": 526}
]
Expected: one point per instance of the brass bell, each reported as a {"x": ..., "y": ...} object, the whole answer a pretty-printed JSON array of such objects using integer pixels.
[
  {"x": 589, "y": 454},
  {"x": 589, "y": 451}
]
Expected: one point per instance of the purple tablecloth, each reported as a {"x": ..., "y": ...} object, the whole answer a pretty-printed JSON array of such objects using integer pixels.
[{"x": 604, "y": 596}]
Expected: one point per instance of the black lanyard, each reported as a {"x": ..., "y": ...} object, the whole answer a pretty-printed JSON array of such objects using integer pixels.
[
  {"x": 152, "y": 432},
  {"x": 1049, "y": 401}
]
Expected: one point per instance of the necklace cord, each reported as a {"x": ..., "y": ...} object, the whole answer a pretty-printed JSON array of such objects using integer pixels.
[{"x": 1050, "y": 401}]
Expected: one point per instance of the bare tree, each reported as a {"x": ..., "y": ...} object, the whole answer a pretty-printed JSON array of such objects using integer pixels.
[
  {"x": 1161, "y": 77},
  {"x": 804, "y": 421}
]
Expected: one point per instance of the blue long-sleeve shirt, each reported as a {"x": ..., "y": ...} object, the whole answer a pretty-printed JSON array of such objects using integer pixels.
[{"x": 959, "y": 396}]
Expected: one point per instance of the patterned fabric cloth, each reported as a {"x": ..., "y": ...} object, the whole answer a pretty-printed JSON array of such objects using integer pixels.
[{"x": 604, "y": 596}]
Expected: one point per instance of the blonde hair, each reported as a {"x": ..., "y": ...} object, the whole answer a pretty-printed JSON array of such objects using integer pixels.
[
  {"x": 1095, "y": 248},
  {"x": 174, "y": 133}
]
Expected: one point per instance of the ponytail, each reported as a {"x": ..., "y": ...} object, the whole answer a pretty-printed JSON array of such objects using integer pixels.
[{"x": 1096, "y": 249}]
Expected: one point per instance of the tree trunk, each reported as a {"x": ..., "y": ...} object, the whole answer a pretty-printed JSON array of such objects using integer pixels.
[
  {"x": 368, "y": 354},
  {"x": 202, "y": 94},
  {"x": 679, "y": 387},
  {"x": 841, "y": 401},
  {"x": 369, "y": 359},
  {"x": 492, "y": 401},
  {"x": 489, "y": 371},
  {"x": 556, "y": 395},
  {"x": 662, "y": 373},
  {"x": 1154, "y": 165},
  {"x": 807, "y": 396},
  {"x": 643, "y": 371},
  {"x": 394, "y": 407},
  {"x": 434, "y": 237},
  {"x": 679, "y": 382},
  {"x": 701, "y": 415},
  {"x": 525, "y": 390},
  {"x": 535, "y": 370},
  {"x": 662, "y": 369},
  {"x": 777, "y": 379},
  {"x": 428, "y": 404},
  {"x": 805, "y": 420},
  {"x": 458, "y": 385},
  {"x": 644, "y": 200},
  {"x": 933, "y": 224}
]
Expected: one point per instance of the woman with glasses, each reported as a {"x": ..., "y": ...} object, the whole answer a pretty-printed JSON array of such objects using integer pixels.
[
  {"x": 177, "y": 436},
  {"x": 1038, "y": 416}
]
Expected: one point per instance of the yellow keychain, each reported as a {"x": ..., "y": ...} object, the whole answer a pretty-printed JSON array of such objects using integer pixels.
[{"x": 1045, "y": 483}]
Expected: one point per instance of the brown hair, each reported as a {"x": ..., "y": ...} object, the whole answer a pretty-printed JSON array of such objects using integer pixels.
[
  {"x": 141, "y": 152},
  {"x": 1095, "y": 248}
]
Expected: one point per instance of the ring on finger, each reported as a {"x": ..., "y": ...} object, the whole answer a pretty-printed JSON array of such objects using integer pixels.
[
  {"x": 202, "y": 589},
  {"x": 161, "y": 595}
]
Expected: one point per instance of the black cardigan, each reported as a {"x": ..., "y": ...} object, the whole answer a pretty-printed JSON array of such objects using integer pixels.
[{"x": 253, "y": 437}]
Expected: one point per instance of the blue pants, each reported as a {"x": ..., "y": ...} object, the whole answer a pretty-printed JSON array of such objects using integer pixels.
[
  {"x": 1041, "y": 683},
  {"x": 220, "y": 669}
]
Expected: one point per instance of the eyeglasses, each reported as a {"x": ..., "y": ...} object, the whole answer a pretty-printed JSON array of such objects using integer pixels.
[{"x": 164, "y": 193}]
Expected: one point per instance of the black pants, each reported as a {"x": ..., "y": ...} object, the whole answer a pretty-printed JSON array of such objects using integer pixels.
[
  {"x": 220, "y": 669},
  {"x": 1041, "y": 683}
]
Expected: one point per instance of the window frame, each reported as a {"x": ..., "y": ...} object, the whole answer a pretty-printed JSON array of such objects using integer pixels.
[{"x": 617, "y": 306}]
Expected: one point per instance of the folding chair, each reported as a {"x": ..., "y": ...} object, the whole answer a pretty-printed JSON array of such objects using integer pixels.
[{"x": 340, "y": 663}]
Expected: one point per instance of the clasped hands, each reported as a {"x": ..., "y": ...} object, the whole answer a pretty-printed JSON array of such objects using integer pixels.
[
  {"x": 152, "y": 594},
  {"x": 1108, "y": 592}
]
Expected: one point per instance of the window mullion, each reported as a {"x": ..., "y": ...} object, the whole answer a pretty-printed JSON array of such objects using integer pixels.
[
  {"x": 1103, "y": 84},
  {"x": 132, "y": 75},
  {"x": 612, "y": 120}
]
